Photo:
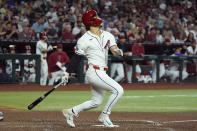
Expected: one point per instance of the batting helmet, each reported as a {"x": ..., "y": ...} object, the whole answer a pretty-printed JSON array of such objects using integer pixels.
[
  {"x": 89, "y": 19},
  {"x": 43, "y": 35}
]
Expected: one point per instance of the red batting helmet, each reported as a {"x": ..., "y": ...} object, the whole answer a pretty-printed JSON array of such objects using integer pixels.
[
  {"x": 43, "y": 35},
  {"x": 89, "y": 19}
]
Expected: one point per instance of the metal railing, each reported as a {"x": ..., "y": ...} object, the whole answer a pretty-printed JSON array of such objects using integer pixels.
[
  {"x": 134, "y": 59},
  {"x": 80, "y": 72},
  {"x": 21, "y": 58}
]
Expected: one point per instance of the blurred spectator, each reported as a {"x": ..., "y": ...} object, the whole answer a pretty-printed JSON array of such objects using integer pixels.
[
  {"x": 192, "y": 51},
  {"x": 190, "y": 37},
  {"x": 160, "y": 37},
  {"x": 138, "y": 50},
  {"x": 67, "y": 33},
  {"x": 140, "y": 19},
  {"x": 25, "y": 35},
  {"x": 173, "y": 69},
  {"x": 29, "y": 67},
  {"x": 12, "y": 32},
  {"x": 52, "y": 31},
  {"x": 38, "y": 26},
  {"x": 165, "y": 50},
  {"x": 52, "y": 14},
  {"x": 9, "y": 64},
  {"x": 77, "y": 29},
  {"x": 152, "y": 35}
]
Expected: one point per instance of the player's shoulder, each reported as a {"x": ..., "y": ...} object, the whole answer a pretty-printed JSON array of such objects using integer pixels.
[
  {"x": 107, "y": 33},
  {"x": 63, "y": 53},
  {"x": 40, "y": 42},
  {"x": 83, "y": 38},
  {"x": 52, "y": 54}
]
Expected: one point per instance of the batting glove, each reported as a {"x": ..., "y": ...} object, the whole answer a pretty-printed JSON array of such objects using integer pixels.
[{"x": 65, "y": 78}]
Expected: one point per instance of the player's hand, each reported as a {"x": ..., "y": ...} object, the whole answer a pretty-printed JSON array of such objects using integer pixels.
[
  {"x": 63, "y": 63},
  {"x": 44, "y": 51},
  {"x": 65, "y": 78}
]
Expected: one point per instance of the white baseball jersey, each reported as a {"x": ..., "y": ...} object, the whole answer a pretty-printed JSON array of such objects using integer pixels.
[
  {"x": 39, "y": 48},
  {"x": 95, "y": 48},
  {"x": 44, "y": 67},
  {"x": 191, "y": 51},
  {"x": 96, "y": 51}
]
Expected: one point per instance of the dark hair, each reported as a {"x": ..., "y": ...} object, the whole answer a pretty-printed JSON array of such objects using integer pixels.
[{"x": 87, "y": 28}]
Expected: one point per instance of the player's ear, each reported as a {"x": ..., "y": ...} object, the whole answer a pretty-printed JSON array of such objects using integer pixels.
[{"x": 87, "y": 28}]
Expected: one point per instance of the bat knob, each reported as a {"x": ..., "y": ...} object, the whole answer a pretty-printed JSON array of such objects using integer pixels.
[{"x": 30, "y": 107}]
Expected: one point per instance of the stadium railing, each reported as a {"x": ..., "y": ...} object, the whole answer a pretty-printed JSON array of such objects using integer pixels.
[
  {"x": 80, "y": 71},
  {"x": 21, "y": 58},
  {"x": 134, "y": 59}
]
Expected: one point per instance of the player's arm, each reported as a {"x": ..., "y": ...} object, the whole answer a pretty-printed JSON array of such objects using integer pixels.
[
  {"x": 74, "y": 61},
  {"x": 116, "y": 51}
]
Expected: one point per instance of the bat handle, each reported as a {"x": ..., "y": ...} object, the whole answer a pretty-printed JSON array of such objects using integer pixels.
[{"x": 30, "y": 107}]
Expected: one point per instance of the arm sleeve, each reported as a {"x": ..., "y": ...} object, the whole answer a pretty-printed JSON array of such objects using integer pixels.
[
  {"x": 39, "y": 47},
  {"x": 80, "y": 47}
]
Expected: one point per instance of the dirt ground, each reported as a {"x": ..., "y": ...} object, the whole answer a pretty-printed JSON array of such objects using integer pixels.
[{"x": 19, "y": 120}]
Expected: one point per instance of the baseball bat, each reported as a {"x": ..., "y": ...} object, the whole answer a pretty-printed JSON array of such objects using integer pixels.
[{"x": 37, "y": 101}]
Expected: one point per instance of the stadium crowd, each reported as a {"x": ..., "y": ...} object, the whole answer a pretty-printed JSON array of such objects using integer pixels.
[
  {"x": 150, "y": 20},
  {"x": 136, "y": 21}
]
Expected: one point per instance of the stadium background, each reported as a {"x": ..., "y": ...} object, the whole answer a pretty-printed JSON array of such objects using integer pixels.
[{"x": 161, "y": 106}]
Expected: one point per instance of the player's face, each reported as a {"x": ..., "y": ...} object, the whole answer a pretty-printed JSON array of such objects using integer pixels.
[
  {"x": 122, "y": 41},
  {"x": 59, "y": 50},
  {"x": 28, "y": 51},
  {"x": 139, "y": 44},
  {"x": 167, "y": 43},
  {"x": 12, "y": 52},
  {"x": 193, "y": 44}
]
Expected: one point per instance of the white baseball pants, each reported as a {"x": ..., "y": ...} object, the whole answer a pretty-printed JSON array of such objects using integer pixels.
[
  {"x": 55, "y": 75},
  {"x": 129, "y": 69},
  {"x": 44, "y": 72},
  {"x": 173, "y": 72},
  {"x": 100, "y": 82},
  {"x": 161, "y": 71},
  {"x": 117, "y": 67}
]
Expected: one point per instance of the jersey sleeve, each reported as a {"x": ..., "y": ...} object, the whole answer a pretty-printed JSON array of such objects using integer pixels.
[
  {"x": 112, "y": 40},
  {"x": 80, "y": 47},
  {"x": 39, "y": 48}
]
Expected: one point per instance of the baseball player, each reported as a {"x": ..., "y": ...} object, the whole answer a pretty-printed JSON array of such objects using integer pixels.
[
  {"x": 29, "y": 67},
  {"x": 9, "y": 63},
  {"x": 42, "y": 49},
  {"x": 137, "y": 50},
  {"x": 192, "y": 51},
  {"x": 117, "y": 66},
  {"x": 173, "y": 71},
  {"x": 94, "y": 44},
  {"x": 165, "y": 49},
  {"x": 57, "y": 61}
]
